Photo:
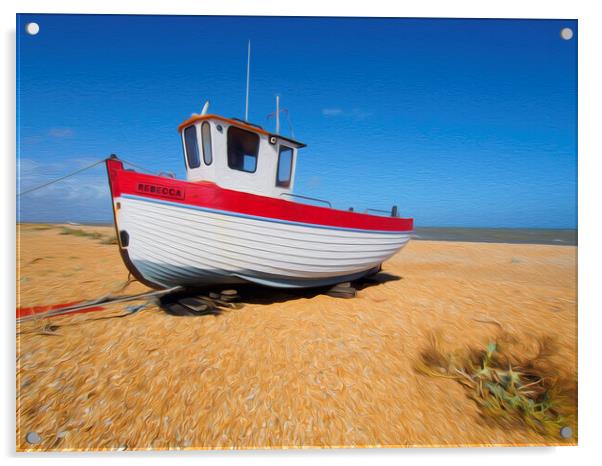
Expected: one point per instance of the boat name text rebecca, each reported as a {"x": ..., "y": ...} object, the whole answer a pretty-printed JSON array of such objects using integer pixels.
[{"x": 175, "y": 193}]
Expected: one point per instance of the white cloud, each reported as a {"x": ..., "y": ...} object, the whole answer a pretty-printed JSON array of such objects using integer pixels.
[
  {"x": 360, "y": 114},
  {"x": 61, "y": 132},
  {"x": 332, "y": 111},
  {"x": 355, "y": 113},
  {"x": 27, "y": 166}
]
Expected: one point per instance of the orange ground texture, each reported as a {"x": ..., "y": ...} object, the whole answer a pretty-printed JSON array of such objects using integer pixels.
[{"x": 286, "y": 370}]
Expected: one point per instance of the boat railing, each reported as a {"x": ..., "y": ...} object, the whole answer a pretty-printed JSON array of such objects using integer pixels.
[
  {"x": 379, "y": 211},
  {"x": 393, "y": 212},
  {"x": 307, "y": 198}
]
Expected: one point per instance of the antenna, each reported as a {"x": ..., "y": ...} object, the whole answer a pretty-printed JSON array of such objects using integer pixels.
[
  {"x": 205, "y": 108},
  {"x": 248, "y": 73},
  {"x": 277, "y": 114}
]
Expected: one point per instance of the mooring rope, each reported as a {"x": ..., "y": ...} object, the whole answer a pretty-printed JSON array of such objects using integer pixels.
[
  {"x": 27, "y": 191},
  {"x": 102, "y": 301},
  {"x": 78, "y": 171}
]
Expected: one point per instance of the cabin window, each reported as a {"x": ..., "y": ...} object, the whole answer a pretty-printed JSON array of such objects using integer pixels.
[
  {"x": 206, "y": 134},
  {"x": 285, "y": 167},
  {"x": 242, "y": 149},
  {"x": 192, "y": 147}
]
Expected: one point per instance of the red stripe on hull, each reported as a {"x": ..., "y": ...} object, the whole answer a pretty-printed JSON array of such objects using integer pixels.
[{"x": 209, "y": 195}]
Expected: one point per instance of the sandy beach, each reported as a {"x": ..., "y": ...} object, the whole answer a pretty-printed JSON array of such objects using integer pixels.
[{"x": 286, "y": 369}]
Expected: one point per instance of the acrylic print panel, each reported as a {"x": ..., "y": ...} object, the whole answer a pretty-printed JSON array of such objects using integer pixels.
[{"x": 407, "y": 279}]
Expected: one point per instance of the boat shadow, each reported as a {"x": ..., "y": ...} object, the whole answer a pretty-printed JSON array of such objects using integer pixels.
[
  {"x": 257, "y": 294},
  {"x": 212, "y": 300}
]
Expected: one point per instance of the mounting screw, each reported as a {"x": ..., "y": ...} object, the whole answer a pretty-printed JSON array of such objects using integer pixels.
[
  {"x": 566, "y": 33},
  {"x": 33, "y": 438},
  {"x": 566, "y": 432},
  {"x": 32, "y": 28}
]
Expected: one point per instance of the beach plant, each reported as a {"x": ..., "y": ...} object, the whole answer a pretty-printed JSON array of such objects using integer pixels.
[
  {"x": 104, "y": 239},
  {"x": 79, "y": 232},
  {"x": 109, "y": 240},
  {"x": 524, "y": 392}
]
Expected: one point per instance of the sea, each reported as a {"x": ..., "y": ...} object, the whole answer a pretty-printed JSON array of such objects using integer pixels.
[{"x": 560, "y": 237}]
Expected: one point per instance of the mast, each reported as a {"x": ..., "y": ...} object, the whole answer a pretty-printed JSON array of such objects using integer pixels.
[
  {"x": 277, "y": 114},
  {"x": 248, "y": 75}
]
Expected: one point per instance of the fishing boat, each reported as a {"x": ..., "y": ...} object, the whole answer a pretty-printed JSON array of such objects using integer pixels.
[{"x": 236, "y": 218}]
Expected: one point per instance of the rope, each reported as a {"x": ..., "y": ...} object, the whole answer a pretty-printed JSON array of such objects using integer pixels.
[
  {"x": 59, "y": 179},
  {"x": 102, "y": 301},
  {"x": 27, "y": 191}
]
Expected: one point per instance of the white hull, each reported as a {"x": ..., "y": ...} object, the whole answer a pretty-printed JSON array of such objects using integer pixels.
[{"x": 175, "y": 244}]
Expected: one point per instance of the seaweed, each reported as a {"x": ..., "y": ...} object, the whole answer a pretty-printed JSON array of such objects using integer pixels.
[{"x": 527, "y": 391}]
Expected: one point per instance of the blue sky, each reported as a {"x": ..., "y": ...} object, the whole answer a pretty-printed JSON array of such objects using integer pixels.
[{"x": 458, "y": 122}]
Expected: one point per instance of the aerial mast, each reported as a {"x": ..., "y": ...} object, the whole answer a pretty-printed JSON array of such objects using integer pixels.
[
  {"x": 277, "y": 114},
  {"x": 248, "y": 75}
]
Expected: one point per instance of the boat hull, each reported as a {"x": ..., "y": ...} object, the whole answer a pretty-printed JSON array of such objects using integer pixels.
[{"x": 170, "y": 242}]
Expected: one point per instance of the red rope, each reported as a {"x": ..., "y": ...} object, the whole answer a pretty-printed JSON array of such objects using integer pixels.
[{"x": 28, "y": 311}]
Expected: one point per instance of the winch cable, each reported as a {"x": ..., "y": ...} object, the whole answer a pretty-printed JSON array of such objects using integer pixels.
[
  {"x": 102, "y": 301},
  {"x": 76, "y": 172}
]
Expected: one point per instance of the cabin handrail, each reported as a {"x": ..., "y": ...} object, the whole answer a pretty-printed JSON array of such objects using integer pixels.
[{"x": 307, "y": 198}]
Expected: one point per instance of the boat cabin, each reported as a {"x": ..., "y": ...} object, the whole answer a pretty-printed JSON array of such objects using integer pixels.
[{"x": 238, "y": 155}]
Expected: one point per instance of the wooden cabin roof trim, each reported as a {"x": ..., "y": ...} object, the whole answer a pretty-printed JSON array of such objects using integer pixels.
[{"x": 241, "y": 124}]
